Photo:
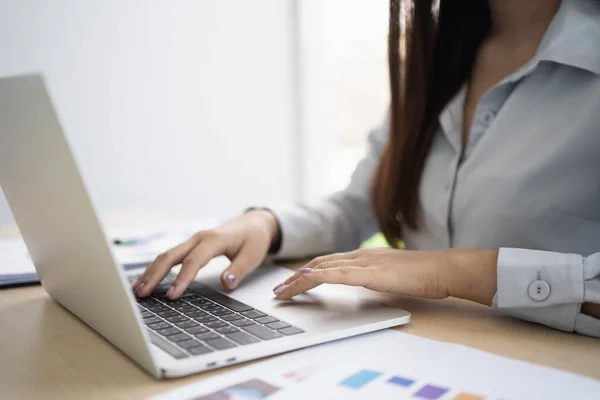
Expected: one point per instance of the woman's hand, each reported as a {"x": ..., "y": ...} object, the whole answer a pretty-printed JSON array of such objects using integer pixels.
[
  {"x": 244, "y": 240},
  {"x": 465, "y": 273}
]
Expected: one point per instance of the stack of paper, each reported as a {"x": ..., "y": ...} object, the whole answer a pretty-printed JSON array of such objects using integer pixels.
[
  {"x": 136, "y": 247},
  {"x": 15, "y": 265}
]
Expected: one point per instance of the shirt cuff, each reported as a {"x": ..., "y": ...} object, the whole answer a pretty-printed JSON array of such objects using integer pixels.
[
  {"x": 293, "y": 237},
  {"x": 537, "y": 279}
]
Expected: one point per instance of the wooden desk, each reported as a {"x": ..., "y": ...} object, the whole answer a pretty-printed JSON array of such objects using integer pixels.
[{"x": 45, "y": 352}]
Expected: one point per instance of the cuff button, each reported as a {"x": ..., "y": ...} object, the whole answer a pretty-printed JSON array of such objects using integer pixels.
[{"x": 539, "y": 290}]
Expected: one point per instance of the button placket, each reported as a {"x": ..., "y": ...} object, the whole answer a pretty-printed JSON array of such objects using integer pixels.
[
  {"x": 487, "y": 117},
  {"x": 449, "y": 192},
  {"x": 483, "y": 118}
]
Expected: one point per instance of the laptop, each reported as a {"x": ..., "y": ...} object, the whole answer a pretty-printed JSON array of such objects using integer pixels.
[{"x": 207, "y": 327}]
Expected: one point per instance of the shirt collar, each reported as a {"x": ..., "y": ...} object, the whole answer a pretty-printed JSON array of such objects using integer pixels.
[{"x": 573, "y": 37}]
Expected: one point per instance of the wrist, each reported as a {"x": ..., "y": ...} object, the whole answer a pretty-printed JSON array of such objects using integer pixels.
[
  {"x": 269, "y": 221},
  {"x": 472, "y": 274}
]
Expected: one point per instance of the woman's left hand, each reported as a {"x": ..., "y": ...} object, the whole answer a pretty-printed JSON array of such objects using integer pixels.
[{"x": 431, "y": 274}]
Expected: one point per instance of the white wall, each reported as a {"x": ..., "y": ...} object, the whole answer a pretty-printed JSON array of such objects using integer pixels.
[{"x": 173, "y": 105}]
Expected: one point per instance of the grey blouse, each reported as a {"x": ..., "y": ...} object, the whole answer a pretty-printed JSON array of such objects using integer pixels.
[{"x": 527, "y": 185}]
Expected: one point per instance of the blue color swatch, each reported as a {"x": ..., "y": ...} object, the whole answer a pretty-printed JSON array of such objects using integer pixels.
[
  {"x": 398, "y": 380},
  {"x": 360, "y": 379}
]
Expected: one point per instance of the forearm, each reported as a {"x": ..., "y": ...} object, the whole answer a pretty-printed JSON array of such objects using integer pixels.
[{"x": 473, "y": 276}]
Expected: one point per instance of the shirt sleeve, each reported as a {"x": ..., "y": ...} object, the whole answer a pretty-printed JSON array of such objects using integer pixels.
[
  {"x": 340, "y": 222},
  {"x": 549, "y": 288}
]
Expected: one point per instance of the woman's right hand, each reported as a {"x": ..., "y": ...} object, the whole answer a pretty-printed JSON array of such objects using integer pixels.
[{"x": 244, "y": 240}]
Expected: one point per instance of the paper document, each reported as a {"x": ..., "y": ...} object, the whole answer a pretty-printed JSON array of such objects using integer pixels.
[
  {"x": 141, "y": 245},
  {"x": 14, "y": 258},
  {"x": 391, "y": 365},
  {"x": 15, "y": 265}
]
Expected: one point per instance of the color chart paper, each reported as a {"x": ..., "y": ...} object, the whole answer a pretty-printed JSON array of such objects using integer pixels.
[{"x": 390, "y": 365}]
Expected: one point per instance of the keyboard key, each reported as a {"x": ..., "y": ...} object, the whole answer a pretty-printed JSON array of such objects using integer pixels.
[
  {"x": 178, "y": 337},
  {"x": 292, "y": 330},
  {"x": 241, "y": 322},
  {"x": 199, "y": 302},
  {"x": 168, "y": 331},
  {"x": 187, "y": 295},
  {"x": 206, "y": 336},
  {"x": 196, "y": 329},
  {"x": 277, "y": 325},
  {"x": 242, "y": 338},
  {"x": 177, "y": 318},
  {"x": 265, "y": 320},
  {"x": 158, "y": 325},
  {"x": 175, "y": 303},
  {"x": 215, "y": 324},
  {"x": 253, "y": 314},
  {"x": 206, "y": 306},
  {"x": 185, "y": 308},
  {"x": 212, "y": 309},
  {"x": 226, "y": 329},
  {"x": 205, "y": 319},
  {"x": 221, "y": 311},
  {"x": 231, "y": 317},
  {"x": 156, "y": 308},
  {"x": 146, "y": 314},
  {"x": 195, "y": 313},
  {"x": 186, "y": 324},
  {"x": 151, "y": 320},
  {"x": 220, "y": 343},
  {"x": 219, "y": 298},
  {"x": 167, "y": 313},
  {"x": 199, "y": 350},
  {"x": 209, "y": 303},
  {"x": 186, "y": 344},
  {"x": 261, "y": 332}
]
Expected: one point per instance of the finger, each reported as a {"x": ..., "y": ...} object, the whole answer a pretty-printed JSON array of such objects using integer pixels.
[
  {"x": 325, "y": 260},
  {"x": 300, "y": 285},
  {"x": 161, "y": 266},
  {"x": 351, "y": 276},
  {"x": 247, "y": 259},
  {"x": 208, "y": 248}
]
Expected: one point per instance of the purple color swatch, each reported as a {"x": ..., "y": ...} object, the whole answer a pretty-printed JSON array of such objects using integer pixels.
[{"x": 430, "y": 392}]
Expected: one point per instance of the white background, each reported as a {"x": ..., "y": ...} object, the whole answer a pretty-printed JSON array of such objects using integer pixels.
[
  {"x": 202, "y": 108},
  {"x": 178, "y": 106}
]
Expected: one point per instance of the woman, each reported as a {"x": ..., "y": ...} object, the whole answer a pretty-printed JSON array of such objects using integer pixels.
[{"x": 487, "y": 167}]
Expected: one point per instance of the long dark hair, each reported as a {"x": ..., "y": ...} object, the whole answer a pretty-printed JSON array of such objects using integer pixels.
[{"x": 431, "y": 53}]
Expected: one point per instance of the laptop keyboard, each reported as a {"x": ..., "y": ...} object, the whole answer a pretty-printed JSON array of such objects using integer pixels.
[{"x": 203, "y": 320}]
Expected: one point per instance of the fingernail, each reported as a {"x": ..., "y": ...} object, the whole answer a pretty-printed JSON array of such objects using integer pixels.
[
  {"x": 305, "y": 270},
  {"x": 279, "y": 290},
  {"x": 139, "y": 288},
  {"x": 231, "y": 279},
  {"x": 278, "y": 286},
  {"x": 171, "y": 291}
]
